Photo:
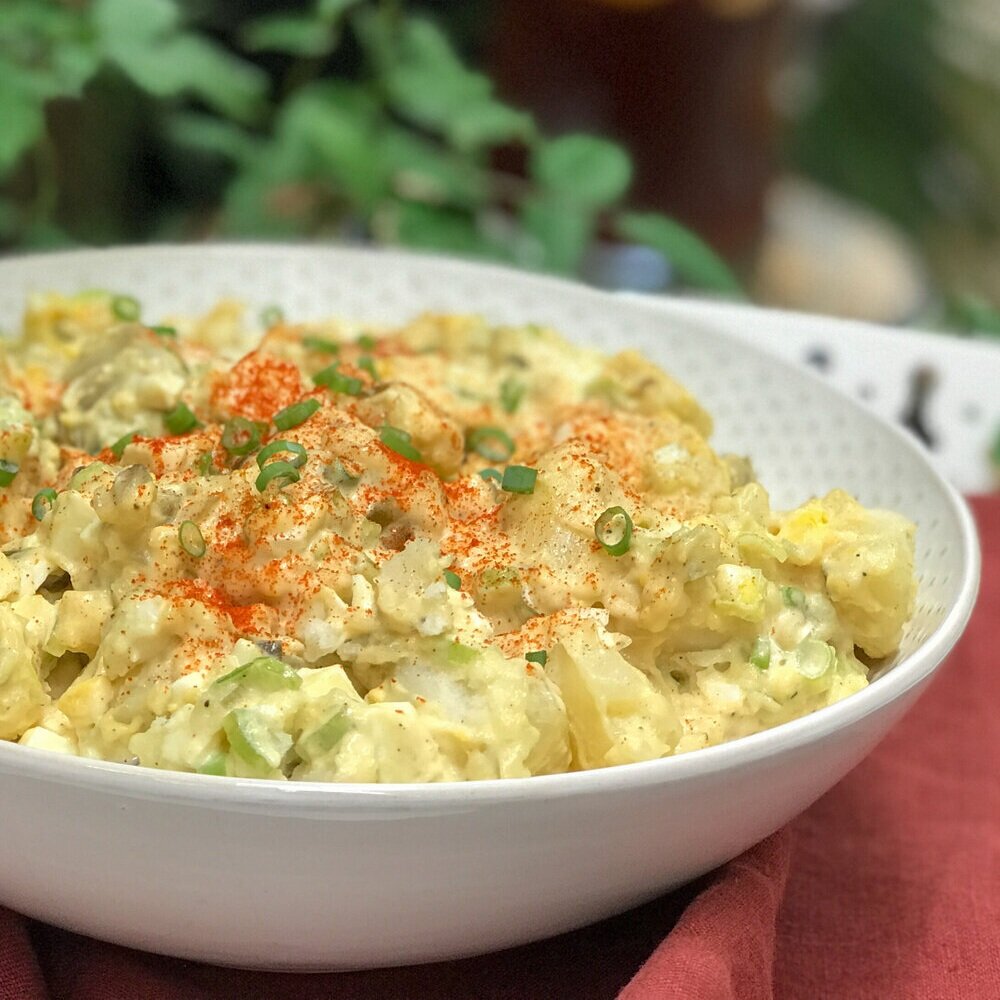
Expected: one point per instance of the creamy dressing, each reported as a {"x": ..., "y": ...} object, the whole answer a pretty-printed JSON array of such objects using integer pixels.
[{"x": 376, "y": 555}]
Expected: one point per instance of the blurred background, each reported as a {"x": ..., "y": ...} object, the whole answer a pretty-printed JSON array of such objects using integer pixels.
[{"x": 838, "y": 156}]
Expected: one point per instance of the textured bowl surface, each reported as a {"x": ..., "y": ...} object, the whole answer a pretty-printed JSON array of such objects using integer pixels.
[{"x": 307, "y": 876}]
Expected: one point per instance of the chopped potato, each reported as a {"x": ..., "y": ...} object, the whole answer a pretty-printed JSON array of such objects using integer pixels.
[{"x": 443, "y": 552}]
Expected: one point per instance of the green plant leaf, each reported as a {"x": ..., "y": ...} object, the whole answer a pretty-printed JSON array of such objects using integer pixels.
[
  {"x": 582, "y": 168},
  {"x": 433, "y": 99},
  {"x": 375, "y": 35},
  {"x": 423, "y": 43},
  {"x": 443, "y": 229},
  {"x": 27, "y": 22},
  {"x": 333, "y": 10},
  {"x": 425, "y": 79},
  {"x": 972, "y": 314},
  {"x": 420, "y": 170},
  {"x": 296, "y": 34},
  {"x": 191, "y": 64},
  {"x": 696, "y": 263},
  {"x": 335, "y": 124},
  {"x": 428, "y": 83},
  {"x": 120, "y": 23},
  {"x": 143, "y": 39},
  {"x": 324, "y": 151},
  {"x": 73, "y": 65},
  {"x": 23, "y": 120},
  {"x": 212, "y": 135},
  {"x": 562, "y": 230},
  {"x": 49, "y": 43},
  {"x": 257, "y": 202},
  {"x": 489, "y": 123},
  {"x": 46, "y": 51},
  {"x": 44, "y": 235},
  {"x": 248, "y": 208}
]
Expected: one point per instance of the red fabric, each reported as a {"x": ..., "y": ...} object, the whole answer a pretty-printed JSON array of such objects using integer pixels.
[{"x": 888, "y": 887}]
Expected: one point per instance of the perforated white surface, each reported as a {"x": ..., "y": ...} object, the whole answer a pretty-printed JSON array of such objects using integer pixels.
[
  {"x": 948, "y": 387},
  {"x": 804, "y": 437}
]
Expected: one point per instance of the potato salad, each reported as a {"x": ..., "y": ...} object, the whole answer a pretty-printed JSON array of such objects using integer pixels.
[{"x": 447, "y": 551}]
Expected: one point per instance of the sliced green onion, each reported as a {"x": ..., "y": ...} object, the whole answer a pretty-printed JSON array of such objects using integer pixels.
[
  {"x": 519, "y": 479},
  {"x": 614, "y": 531},
  {"x": 118, "y": 448},
  {"x": 215, "y": 764},
  {"x": 336, "y": 381},
  {"x": 321, "y": 345},
  {"x": 169, "y": 332},
  {"x": 206, "y": 464},
  {"x": 540, "y": 657},
  {"x": 126, "y": 308},
  {"x": 180, "y": 419},
  {"x": 83, "y": 473},
  {"x": 191, "y": 539},
  {"x": 453, "y": 580},
  {"x": 493, "y": 443},
  {"x": 240, "y": 436},
  {"x": 367, "y": 363},
  {"x": 8, "y": 470},
  {"x": 300, "y": 455},
  {"x": 297, "y": 413},
  {"x": 265, "y": 672},
  {"x": 511, "y": 393},
  {"x": 367, "y": 342},
  {"x": 793, "y": 597},
  {"x": 271, "y": 316},
  {"x": 399, "y": 441},
  {"x": 814, "y": 658},
  {"x": 44, "y": 501},
  {"x": 282, "y": 474},
  {"x": 760, "y": 655},
  {"x": 490, "y": 474}
]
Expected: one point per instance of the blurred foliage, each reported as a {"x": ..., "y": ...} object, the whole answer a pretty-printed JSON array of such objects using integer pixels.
[
  {"x": 160, "y": 119},
  {"x": 905, "y": 117},
  {"x": 971, "y": 314}
]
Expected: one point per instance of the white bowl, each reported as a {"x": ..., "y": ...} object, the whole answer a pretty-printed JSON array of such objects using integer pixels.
[{"x": 311, "y": 876}]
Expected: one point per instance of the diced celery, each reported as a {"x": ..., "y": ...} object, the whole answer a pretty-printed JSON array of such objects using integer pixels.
[
  {"x": 494, "y": 578},
  {"x": 327, "y": 736},
  {"x": 215, "y": 764},
  {"x": 252, "y": 739},
  {"x": 761, "y": 546},
  {"x": 266, "y": 673},
  {"x": 459, "y": 655}
]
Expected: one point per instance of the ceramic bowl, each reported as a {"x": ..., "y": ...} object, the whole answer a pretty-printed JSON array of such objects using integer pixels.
[{"x": 310, "y": 876}]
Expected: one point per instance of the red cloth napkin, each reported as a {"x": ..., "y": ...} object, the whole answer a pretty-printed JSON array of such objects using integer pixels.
[{"x": 888, "y": 887}]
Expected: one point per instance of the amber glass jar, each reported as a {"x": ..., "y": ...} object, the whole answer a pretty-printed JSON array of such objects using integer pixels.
[{"x": 684, "y": 84}]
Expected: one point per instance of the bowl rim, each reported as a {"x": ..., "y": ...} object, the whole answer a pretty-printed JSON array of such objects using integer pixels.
[{"x": 260, "y": 795}]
